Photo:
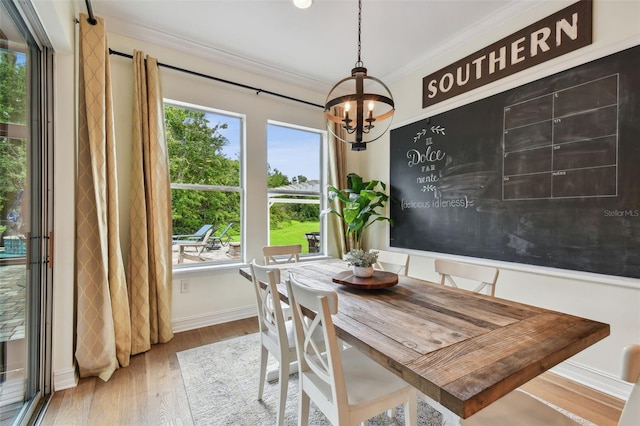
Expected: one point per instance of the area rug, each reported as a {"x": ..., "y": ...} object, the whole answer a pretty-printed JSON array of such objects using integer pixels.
[{"x": 221, "y": 382}]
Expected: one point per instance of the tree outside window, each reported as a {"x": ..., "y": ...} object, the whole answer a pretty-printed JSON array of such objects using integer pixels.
[
  {"x": 204, "y": 169},
  {"x": 13, "y": 139}
]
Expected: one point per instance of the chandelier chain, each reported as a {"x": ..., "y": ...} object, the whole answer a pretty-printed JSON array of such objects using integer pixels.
[{"x": 359, "y": 63}]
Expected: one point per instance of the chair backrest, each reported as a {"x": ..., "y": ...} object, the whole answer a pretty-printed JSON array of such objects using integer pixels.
[
  {"x": 198, "y": 235},
  {"x": 320, "y": 357},
  {"x": 631, "y": 373},
  {"x": 202, "y": 231},
  {"x": 392, "y": 262},
  {"x": 486, "y": 275},
  {"x": 224, "y": 232},
  {"x": 271, "y": 254},
  {"x": 270, "y": 315}
]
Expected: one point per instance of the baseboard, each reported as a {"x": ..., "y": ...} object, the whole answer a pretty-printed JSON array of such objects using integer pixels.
[
  {"x": 65, "y": 379},
  {"x": 69, "y": 378},
  {"x": 199, "y": 321},
  {"x": 595, "y": 379}
]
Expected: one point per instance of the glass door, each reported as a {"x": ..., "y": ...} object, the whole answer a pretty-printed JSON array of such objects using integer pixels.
[{"x": 23, "y": 175}]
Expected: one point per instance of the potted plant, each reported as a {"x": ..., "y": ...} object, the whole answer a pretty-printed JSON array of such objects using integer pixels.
[
  {"x": 362, "y": 205},
  {"x": 362, "y": 262}
]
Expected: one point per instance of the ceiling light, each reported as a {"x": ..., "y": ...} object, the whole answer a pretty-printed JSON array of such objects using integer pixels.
[
  {"x": 361, "y": 115},
  {"x": 302, "y": 4}
]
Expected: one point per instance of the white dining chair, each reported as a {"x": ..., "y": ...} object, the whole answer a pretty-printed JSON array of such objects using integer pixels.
[
  {"x": 347, "y": 386},
  {"x": 276, "y": 334},
  {"x": 392, "y": 262},
  {"x": 485, "y": 276},
  {"x": 282, "y": 254},
  {"x": 631, "y": 373}
]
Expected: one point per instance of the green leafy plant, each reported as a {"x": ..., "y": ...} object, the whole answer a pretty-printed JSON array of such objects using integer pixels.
[
  {"x": 362, "y": 205},
  {"x": 361, "y": 258}
]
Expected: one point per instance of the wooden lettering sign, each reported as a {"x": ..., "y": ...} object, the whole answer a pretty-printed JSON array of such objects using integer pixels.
[{"x": 557, "y": 34}]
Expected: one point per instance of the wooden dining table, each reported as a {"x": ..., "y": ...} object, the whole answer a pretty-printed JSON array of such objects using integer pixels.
[{"x": 461, "y": 349}]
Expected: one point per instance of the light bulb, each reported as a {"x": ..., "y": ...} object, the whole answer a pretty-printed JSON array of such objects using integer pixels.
[{"x": 302, "y": 4}]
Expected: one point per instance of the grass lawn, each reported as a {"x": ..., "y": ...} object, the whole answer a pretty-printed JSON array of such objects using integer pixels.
[{"x": 293, "y": 233}]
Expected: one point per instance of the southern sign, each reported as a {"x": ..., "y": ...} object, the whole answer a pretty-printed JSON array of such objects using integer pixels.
[{"x": 557, "y": 34}]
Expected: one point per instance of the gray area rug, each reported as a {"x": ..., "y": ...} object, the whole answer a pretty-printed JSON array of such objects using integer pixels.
[{"x": 221, "y": 381}]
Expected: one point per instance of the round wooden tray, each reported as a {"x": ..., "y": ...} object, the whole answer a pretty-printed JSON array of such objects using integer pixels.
[{"x": 380, "y": 279}]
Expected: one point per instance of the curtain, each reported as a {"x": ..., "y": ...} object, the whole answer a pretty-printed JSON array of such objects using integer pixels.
[
  {"x": 149, "y": 266},
  {"x": 103, "y": 330},
  {"x": 337, "y": 178}
]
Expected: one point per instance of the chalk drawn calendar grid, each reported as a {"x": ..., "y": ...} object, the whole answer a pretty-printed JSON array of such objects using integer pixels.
[{"x": 548, "y": 141}]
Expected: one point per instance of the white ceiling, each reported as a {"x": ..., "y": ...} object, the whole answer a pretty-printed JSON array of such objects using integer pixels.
[{"x": 315, "y": 46}]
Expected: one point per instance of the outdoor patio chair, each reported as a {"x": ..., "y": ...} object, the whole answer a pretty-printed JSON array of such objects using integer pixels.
[
  {"x": 221, "y": 240},
  {"x": 199, "y": 247},
  {"x": 197, "y": 236}
]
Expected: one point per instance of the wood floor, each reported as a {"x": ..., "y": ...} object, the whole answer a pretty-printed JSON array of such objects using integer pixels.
[{"x": 151, "y": 392}]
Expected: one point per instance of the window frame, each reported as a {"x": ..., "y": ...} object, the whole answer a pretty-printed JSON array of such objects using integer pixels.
[
  {"x": 322, "y": 199},
  {"x": 204, "y": 268}
]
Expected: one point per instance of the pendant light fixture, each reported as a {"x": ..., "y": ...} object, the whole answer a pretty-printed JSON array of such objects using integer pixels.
[{"x": 359, "y": 109}]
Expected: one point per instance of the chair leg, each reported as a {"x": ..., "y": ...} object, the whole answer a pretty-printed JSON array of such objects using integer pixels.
[
  {"x": 264, "y": 356},
  {"x": 411, "y": 410},
  {"x": 284, "y": 385},
  {"x": 303, "y": 409}
]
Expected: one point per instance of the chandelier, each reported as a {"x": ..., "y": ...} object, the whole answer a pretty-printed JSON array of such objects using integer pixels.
[{"x": 359, "y": 109}]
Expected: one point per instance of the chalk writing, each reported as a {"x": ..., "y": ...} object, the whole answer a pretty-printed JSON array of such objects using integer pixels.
[
  {"x": 558, "y": 145},
  {"x": 438, "y": 130},
  {"x": 429, "y": 156},
  {"x": 437, "y": 203},
  {"x": 427, "y": 179}
]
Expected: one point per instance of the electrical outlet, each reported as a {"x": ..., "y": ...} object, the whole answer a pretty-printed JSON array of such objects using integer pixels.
[{"x": 184, "y": 286}]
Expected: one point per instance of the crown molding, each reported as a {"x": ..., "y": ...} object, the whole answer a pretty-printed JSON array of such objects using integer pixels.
[
  {"x": 151, "y": 35},
  {"x": 463, "y": 38}
]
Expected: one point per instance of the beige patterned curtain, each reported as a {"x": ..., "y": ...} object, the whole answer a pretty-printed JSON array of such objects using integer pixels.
[
  {"x": 337, "y": 178},
  {"x": 149, "y": 267},
  {"x": 103, "y": 327}
]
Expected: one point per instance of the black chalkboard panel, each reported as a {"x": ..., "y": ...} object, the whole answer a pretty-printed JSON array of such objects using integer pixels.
[{"x": 544, "y": 174}]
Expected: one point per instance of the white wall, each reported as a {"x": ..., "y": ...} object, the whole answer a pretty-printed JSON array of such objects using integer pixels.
[{"x": 615, "y": 301}]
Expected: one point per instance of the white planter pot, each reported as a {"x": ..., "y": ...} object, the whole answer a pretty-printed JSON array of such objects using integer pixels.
[{"x": 363, "y": 271}]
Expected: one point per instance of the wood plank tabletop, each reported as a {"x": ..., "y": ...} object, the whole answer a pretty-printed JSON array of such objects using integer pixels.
[{"x": 462, "y": 349}]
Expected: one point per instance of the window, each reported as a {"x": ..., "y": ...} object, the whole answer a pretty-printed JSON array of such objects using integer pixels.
[
  {"x": 26, "y": 77},
  {"x": 204, "y": 148},
  {"x": 295, "y": 182}
]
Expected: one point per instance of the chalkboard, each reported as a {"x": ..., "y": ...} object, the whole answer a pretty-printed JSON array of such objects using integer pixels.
[{"x": 544, "y": 174}]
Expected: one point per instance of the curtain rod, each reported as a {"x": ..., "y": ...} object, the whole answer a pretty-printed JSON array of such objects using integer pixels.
[
  {"x": 91, "y": 19},
  {"x": 210, "y": 77}
]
